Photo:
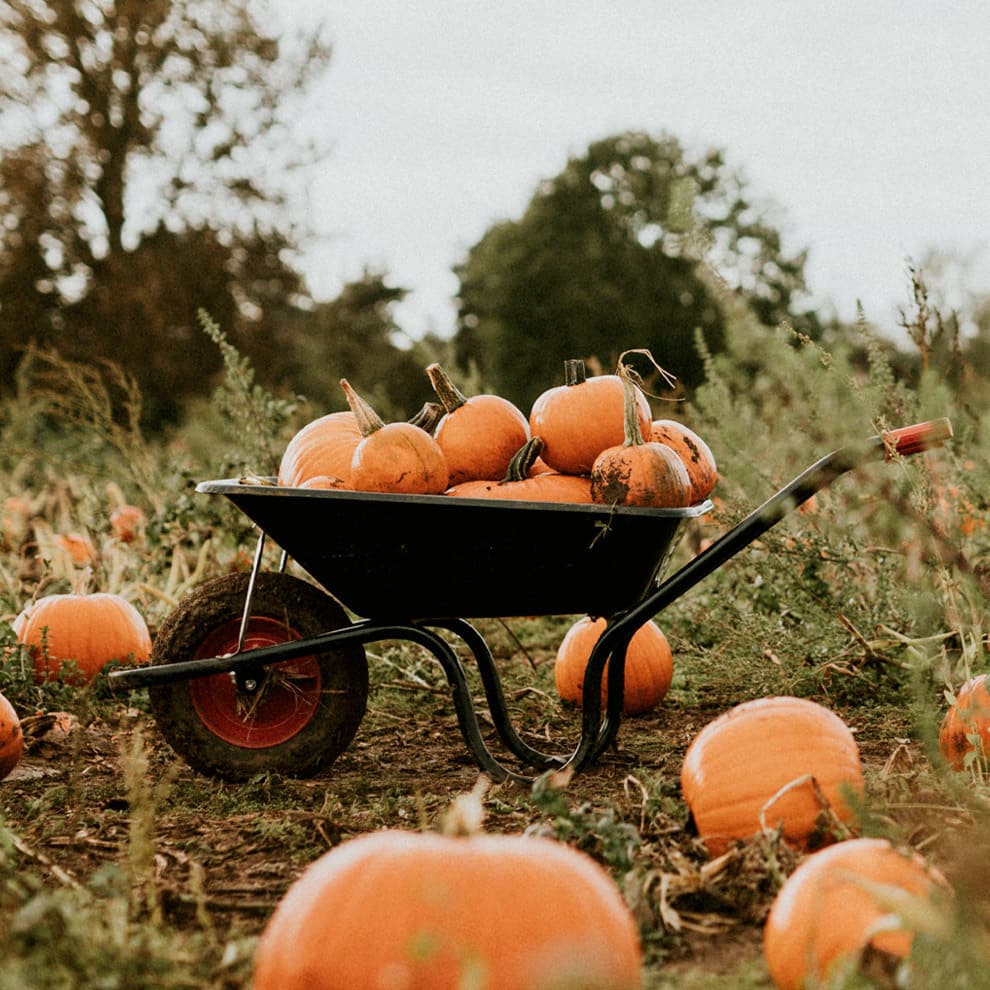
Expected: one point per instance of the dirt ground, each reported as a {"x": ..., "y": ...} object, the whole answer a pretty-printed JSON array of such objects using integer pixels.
[{"x": 224, "y": 854}]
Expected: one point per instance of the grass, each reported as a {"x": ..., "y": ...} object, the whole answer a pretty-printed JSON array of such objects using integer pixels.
[{"x": 121, "y": 868}]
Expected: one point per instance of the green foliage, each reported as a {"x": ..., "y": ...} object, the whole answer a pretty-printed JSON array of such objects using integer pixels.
[
  {"x": 253, "y": 418},
  {"x": 617, "y": 252}
]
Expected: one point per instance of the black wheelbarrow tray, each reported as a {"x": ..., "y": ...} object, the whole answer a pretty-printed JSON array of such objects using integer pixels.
[{"x": 267, "y": 671}]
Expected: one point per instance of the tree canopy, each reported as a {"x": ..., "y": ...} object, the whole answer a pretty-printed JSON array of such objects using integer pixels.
[
  {"x": 145, "y": 149},
  {"x": 631, "y": 246}
]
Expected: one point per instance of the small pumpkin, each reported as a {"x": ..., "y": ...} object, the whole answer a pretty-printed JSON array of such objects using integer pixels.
[
  {"x": 127, "y": 522},
  {"x": 639, "y": 472},
  {"x": 829, "y": 911},
  {"x": 648, "y": 671},
  {"x": 89, "y": 629},
  {"x": 583, "y": 417},
  {"x": 394, "y": 457},
  {"x": 78, "y": 546},
  {"x": 966, "y": 721},
  {"x": 324, "y": 447},
  {"x": 521, "y": 483},
  {"x": 695, "y": 454},
  {"x": 770, "y": 762},
  {"x": 11, "y": 737},
  {"x": 480, "y": 435},
  {"x": 437, "y": 912}
]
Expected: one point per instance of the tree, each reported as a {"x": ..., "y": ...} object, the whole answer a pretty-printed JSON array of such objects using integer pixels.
[
  {"x": 145, "y": 148},
  {"x": 631, "y": 245},
  {"x": 355, "y": 336}
]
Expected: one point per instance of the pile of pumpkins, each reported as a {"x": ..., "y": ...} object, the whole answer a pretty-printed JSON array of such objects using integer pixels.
[{"x": 592, "y": 439}]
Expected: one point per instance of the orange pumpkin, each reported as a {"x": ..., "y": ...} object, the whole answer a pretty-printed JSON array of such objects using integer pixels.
[
  {"x": 11, "y": 737},
  {"x": 767, "y": 763},
  {"x": 127, "y": 521},
  {"x": 90, "y": 629},
  {"x": 583, "y": 417},
  {"x": 323, "y": 447},
  {"x": 393, "y": 457},
  {"x": 826, "y": 913},
  {"x": 695, "y": 454},
  {"x": 637, "y": 472},
  {"x": 79, "y": 547},
  {"x": 966, "y": 721},
  {"x": 648, "y": 671},
  {"x": 521, "y": 483},
  {"x": 478, "y": 436},
  {"x": 426, "y": 911}
]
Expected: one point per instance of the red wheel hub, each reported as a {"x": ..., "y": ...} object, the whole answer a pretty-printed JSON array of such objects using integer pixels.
[{"x": 286, "y": 698}]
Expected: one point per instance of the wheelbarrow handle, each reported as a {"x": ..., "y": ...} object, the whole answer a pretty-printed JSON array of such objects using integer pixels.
[
  {"x": 908, "y": 440},
  {"x": 902, "y": 442}
]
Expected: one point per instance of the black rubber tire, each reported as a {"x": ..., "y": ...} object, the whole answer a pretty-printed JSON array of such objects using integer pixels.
[{"x": 325, "y": 695}]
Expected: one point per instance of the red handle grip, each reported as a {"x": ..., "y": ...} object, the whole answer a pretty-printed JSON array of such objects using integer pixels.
[{"x": 908, "y": 440}]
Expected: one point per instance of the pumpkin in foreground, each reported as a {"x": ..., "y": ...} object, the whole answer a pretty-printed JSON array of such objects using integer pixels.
[
  {"x": 832, "y": 907},
  {"x": 425, "y": 911},
  {"x": 89, "y": 629},
  {"x": 966, "y": 723},
  {"x": 649, "y": 665},
  {"x": 768, "y": 763},
  {"x": 11, "y": 737}
]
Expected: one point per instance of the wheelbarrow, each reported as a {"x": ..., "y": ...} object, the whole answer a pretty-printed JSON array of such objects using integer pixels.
[{"x": 266, "y": 671}]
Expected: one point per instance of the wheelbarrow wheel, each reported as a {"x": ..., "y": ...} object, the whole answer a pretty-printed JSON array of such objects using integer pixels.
[{"x": 294, "y": 717}]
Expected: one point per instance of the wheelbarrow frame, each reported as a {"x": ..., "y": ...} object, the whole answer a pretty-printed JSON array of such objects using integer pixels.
[{"x": 599, "y": 727}]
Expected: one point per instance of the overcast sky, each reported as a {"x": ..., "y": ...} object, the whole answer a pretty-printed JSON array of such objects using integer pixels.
[{"x": 866, "y": 123}]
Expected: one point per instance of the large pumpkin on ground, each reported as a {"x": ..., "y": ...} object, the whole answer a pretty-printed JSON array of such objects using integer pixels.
[
  {"x": 778, "y": 761},
  {"x": 827, "y": 912},
  {"x": 649, "y": 666},
  {"x": 424, "y": 911},
  {"x": 11, "y": 737},
  {"x": 966, "y": 722},
  {"x": 90, "y": 629}
]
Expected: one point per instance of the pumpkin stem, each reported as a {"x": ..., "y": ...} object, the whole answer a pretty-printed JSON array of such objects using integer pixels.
[
  {"x": 428, "y": 417},
  {"x": 522, "y": 460},
  {"x": 368, "y": 421},
  {"x": 574, "y": 371},
  {"x": 448, "y": 393},
  {"x": 630, "y": 422},
  {"x": 624, "y": 371}
]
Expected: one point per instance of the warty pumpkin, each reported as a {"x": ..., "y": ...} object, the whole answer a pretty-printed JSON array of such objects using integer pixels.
[
  {"x": 826, "y": 914},
  {"x": 583, "y": 417},
  {"x": 89, "y": 629},
  {"x": 770, "y": 763},
  {"x": 425, "y": 911},
  {"x": 966, "y": 722},
  {"x": 639, "y": 472},
  {"x": 694, "y": 453},
  {"x": 11, "y": 737},
  {"x": 479, "y": 435},
  {"x": 648, "y": 670},
  {"x": 393, "y": 457},
  {"x": 521, "y": 483}
]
